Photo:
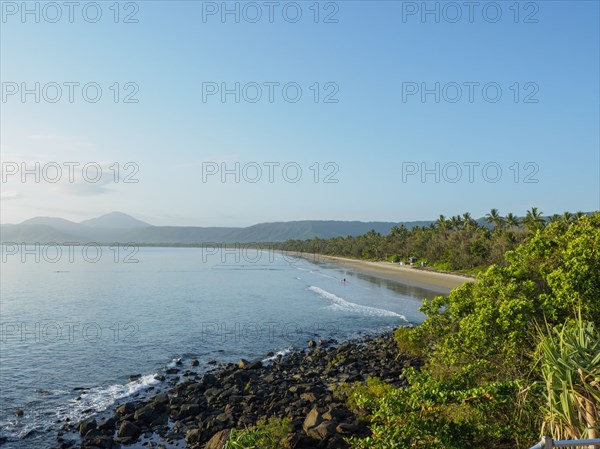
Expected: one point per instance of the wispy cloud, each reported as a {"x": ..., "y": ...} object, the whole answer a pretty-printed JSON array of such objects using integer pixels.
[
  {"x": 86, "y": 179},
  {"x": 10, "y": 195}
]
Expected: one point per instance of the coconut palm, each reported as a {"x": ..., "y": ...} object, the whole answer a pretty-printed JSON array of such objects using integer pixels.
[
  {"x": 494, "y": 218},
  {"x": 456, "y": 222},
  {"x": 567, "y": 217},
  {"x": 554, "y": 218},
  {"x": 399, "y": 231},
  {"x": 442, "y": 225},
  {"x": 468, "y": 222},
  {"x": 533, "y": 219},
  {"x": 512, "y": 221}
]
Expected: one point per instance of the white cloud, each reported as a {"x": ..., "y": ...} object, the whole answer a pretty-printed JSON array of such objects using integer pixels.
[
  {"x": 86, "y": 178},
  {"x": 10, "y": 195}
]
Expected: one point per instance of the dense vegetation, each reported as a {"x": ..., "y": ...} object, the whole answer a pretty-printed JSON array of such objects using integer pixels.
[
  {"x": 456, "y": 243},
  {"x": 508, "y": 358}
]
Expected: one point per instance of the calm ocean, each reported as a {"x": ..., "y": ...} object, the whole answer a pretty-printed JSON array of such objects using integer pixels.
[{"x": 73, "y": 330}]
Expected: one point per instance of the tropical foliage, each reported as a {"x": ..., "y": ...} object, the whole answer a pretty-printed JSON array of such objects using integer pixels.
[
  {"x": 458, "y": 243},
  {"x": 496, "y": 351},
  {"x": 570, "y": 363}
]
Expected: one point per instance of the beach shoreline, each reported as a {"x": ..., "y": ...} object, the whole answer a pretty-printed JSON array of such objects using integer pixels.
[{"x": 436, "y": 281}]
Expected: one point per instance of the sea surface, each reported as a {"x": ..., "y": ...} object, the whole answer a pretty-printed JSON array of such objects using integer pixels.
[{"x": 75, "y": 327}]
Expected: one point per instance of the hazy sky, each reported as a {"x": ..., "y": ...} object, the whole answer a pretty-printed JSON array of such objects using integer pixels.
[{"x": 331, "y": 88}]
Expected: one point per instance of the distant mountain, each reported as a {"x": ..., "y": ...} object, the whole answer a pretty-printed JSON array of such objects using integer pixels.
[
  {"x": 178, "y": 235},
  {"x": 115, "y": 220},
  {"x": 59, "y": 224},
  {"x": 123, "y": 228},
  {"x": 302, "y": 230},
  {"x": 36, "y": 233},
  {"x": 120, "y": 227}
]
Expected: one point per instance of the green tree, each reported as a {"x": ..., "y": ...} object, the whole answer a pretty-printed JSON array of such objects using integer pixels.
[
  {"x": 468, "y": 222},
  {"x": 533, "y": 220},
  {"x": 512, "y": 221},
  {"x": 495, "y": 219},
  {"x": 547, "y": 278}
]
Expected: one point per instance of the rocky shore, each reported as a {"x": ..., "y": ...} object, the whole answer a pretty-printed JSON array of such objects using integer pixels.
[{"x": 199, "y": 411}]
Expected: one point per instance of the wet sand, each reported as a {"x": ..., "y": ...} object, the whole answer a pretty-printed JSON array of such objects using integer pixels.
[{"x": 431, "y": 280}]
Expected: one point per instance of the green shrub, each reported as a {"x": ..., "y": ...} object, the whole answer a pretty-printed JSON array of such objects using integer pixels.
[
  {"x": 407, "y": 342},
  {"x": 442, "y": 266},
  {"x": 430, "y": 414},
  {"x": 359, "y": 395},
  {"x": 265, "y": 435}
]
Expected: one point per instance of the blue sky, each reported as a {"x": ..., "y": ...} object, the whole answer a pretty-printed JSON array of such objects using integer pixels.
[{"x": 371, "y": 136}]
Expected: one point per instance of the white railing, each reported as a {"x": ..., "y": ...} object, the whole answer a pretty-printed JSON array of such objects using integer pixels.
[{"x": 548, "y": 443}]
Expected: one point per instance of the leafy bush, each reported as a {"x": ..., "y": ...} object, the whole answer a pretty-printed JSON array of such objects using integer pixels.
[
  {"x": 453, "y": 413},
  {"x": 442, "y": 266},
  {"x": 359, "y": 396},
  {"x": 407, "y": 343},
  {"x": 265, "y": 435}
]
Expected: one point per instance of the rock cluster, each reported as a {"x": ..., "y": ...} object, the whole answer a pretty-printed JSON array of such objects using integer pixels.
[{"x": 201, "y": 410}]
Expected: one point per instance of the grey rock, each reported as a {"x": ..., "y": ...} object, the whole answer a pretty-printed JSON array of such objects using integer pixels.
[
  {"x": 323, "y": 431},
  {"x": 313, "y": 419},
  {"x": 128, "y": 430},
  {"x": 218, "y": 440}
]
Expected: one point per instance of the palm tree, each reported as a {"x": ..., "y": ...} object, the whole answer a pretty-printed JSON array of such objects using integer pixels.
[
  {"x": 512, "y": 221},
  {"x": 494, "y": 218},
  {"x": 456, "y": 222},
  {"x": 468, "y": 222},
  {"x": 567, "y": 217},
  {"x": 555, "y": 218},
  {"x": 533, "y": 219},
  {"x": 399, "y": 232},
  {"x": 442, "y": 225}
]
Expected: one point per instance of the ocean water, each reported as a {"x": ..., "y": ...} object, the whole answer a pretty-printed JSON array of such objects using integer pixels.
[{"x": 74, "y": 328}]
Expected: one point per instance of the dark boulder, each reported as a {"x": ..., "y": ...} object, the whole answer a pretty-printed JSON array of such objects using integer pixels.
[
  {"x": 128, "y": 432},
  {"x": 86, "y": 426}
]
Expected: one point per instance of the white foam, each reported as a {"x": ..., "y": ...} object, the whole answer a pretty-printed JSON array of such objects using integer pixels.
[
  {"x": 173, "y": 363},
  {"x": 99, "y": 399},
  {"x": 347, "y": 306},
  {"x": 90, "y": 402},
  {"x": 281, "y": 353}
]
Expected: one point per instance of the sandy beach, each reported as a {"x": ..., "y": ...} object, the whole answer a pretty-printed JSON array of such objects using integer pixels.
[{"x": 430, "y": 280}]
